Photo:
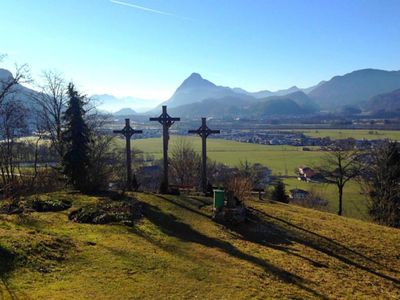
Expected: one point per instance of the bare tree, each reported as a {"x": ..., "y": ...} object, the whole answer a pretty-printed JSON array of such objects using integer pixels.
[
  {"x": 51, "y": 103},
  {"x": 240, "y": 185},
  {"x": 341, "y": 164},
  {"x": 12, "y": 125},
  {"x": 9, "y": 84},
  {"x": 185, "y": 163},
  {"x": 382, "y": 184}
]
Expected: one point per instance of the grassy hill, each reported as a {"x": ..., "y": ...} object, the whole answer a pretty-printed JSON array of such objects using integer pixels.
[
  {"x": 282, "y": 160},
  {"x": 177, "y": 252}
]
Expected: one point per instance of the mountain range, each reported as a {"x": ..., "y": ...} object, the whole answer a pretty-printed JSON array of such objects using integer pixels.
[
  {"x": 114, "y": 104},
  {"x": 367, "y": 90},
  {"x": 351, "y": 92},
  {"x": 355, "y": 88},
  {"x": 387, "y": 103}
]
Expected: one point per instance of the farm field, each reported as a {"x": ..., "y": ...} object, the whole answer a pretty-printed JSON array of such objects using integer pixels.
[
  {"x": 353, "y": 133},
  {"x": 177, "y": 252},
  {"x": 282, "y": 160}
]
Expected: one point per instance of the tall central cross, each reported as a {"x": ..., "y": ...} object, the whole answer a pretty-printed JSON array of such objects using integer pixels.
[
  {"x": 166, "y": 121},
  {"x": 128, "y": 132},
  {"x": 204, "y": 132}
]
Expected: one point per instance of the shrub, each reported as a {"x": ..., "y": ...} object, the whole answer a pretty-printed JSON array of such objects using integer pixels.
[
  {"x": 50, "y": 204},
  {"x": 279, "y": 192},
  {"x": 107, "y": 212}
]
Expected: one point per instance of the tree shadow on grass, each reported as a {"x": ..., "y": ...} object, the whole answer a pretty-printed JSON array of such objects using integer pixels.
[
  {"x": 7, "y": 265},
  {"x": 188, "y": 205},
  {"x": 170, "y": 225},
  {"x": 274, "y": 231}
]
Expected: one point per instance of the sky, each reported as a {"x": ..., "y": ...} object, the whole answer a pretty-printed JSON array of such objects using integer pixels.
[{"x": 146, "y": 48}]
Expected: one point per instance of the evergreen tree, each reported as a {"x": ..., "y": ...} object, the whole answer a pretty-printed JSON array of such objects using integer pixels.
[
  {"x": 383, "y": 181},
  {"x": 279, "y": 193},
  {"x": 76, "y": 139}
]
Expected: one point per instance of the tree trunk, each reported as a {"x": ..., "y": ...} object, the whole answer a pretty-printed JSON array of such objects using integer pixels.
[{"x": 340, "y": 200}]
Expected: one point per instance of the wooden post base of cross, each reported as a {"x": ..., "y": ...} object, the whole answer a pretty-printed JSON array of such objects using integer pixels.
[{"x": 128, "y": 132}]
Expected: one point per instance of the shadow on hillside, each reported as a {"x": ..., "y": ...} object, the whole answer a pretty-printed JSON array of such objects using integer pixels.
[
  {"x": 7, "y": 265},
  {"x": 170, "y": 225},
  {"x": 191, "y": 204},
  {"x": 274, "y": 232}
]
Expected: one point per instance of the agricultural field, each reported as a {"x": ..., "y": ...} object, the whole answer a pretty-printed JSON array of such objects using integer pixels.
[
  {"x": 177, "y": 252},
  {"x": 282, "y": 160},
  {"x": 353, "y": 133}
]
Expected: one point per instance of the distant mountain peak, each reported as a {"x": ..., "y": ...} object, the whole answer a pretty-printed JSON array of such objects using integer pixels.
[
  {"x": 195, "y": 76},
  {"x": 125, "y": 112},
  {"x": 196, "y": 81}
]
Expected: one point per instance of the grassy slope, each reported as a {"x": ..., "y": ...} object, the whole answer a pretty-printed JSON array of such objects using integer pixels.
[
  {"x": 282, "y": 160},
  {"x": 177, "y": 252}
]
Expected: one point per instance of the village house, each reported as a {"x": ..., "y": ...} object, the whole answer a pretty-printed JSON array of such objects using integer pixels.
[
  {"x": 298, "y": 194},
  {"x": 306, "y": 174}
]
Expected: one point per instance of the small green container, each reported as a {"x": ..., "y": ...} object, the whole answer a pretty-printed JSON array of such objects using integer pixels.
[{"x": 219, "y": 198}]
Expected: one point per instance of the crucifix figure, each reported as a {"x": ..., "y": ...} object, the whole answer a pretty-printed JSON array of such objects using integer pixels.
[
  {"x": 166, "y": 121},
  {"x": 127, "y": 132},
  {"x": 204, "y": 132}
]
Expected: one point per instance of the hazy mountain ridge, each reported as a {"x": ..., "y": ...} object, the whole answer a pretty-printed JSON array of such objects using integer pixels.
[
  {"x": 369, "y": 89},
  {"x": 297, "y": 103},
  {"x": 388, "y": 102},
  {"x": 355, "y": 88},
  {"x": 125, "y": 112},
  {"x": 112, "y": 103}
]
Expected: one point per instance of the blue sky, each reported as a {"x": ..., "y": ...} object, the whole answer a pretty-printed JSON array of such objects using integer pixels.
[{"x": 147, "y": 48}]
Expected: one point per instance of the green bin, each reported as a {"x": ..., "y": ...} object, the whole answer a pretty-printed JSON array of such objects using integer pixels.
[{"x": 219, "y": 198}]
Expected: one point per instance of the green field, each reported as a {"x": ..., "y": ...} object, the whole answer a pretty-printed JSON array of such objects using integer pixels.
[
  {"x": 353, "y": 133},
  {"x": 282, "y": 160},
  {"x": 177, "y": 252}
]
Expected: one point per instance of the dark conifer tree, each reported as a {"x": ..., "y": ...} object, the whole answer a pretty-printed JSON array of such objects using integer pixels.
[
  {"x": 279, "y": 193},
  {"x": 76, "y": 139}
]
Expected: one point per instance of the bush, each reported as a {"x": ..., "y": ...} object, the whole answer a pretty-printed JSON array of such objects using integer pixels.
[
  {"x": 314, "y": 199},
  {"x": 279, "y": 192},
  {"x": 240, "y": 186},
  {"x": 50, "y": 204},
  {"x": 42, "y": 203},
  {"x": 106, "y": 212}
]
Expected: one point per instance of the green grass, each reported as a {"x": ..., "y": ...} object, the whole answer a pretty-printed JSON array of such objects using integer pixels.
[
  {"x": 354, "y": 201},
  {"x": 282, "y": 160},
  {"x": 353, "y": 133},
  {"x": 177, "y": 252}
]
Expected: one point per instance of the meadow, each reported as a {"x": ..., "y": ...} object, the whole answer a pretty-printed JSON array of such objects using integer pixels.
[
  {"x": 353, "y": 133},
  {"x": 177, "y": 252},
  {"x": 282, "y": 160}
]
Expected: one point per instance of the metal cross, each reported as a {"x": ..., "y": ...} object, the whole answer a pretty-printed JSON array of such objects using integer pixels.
[
  {"x": 204, "y": 132},
  {"x": 166, "y": 121},
  {"x": 128, "y": 132}
]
